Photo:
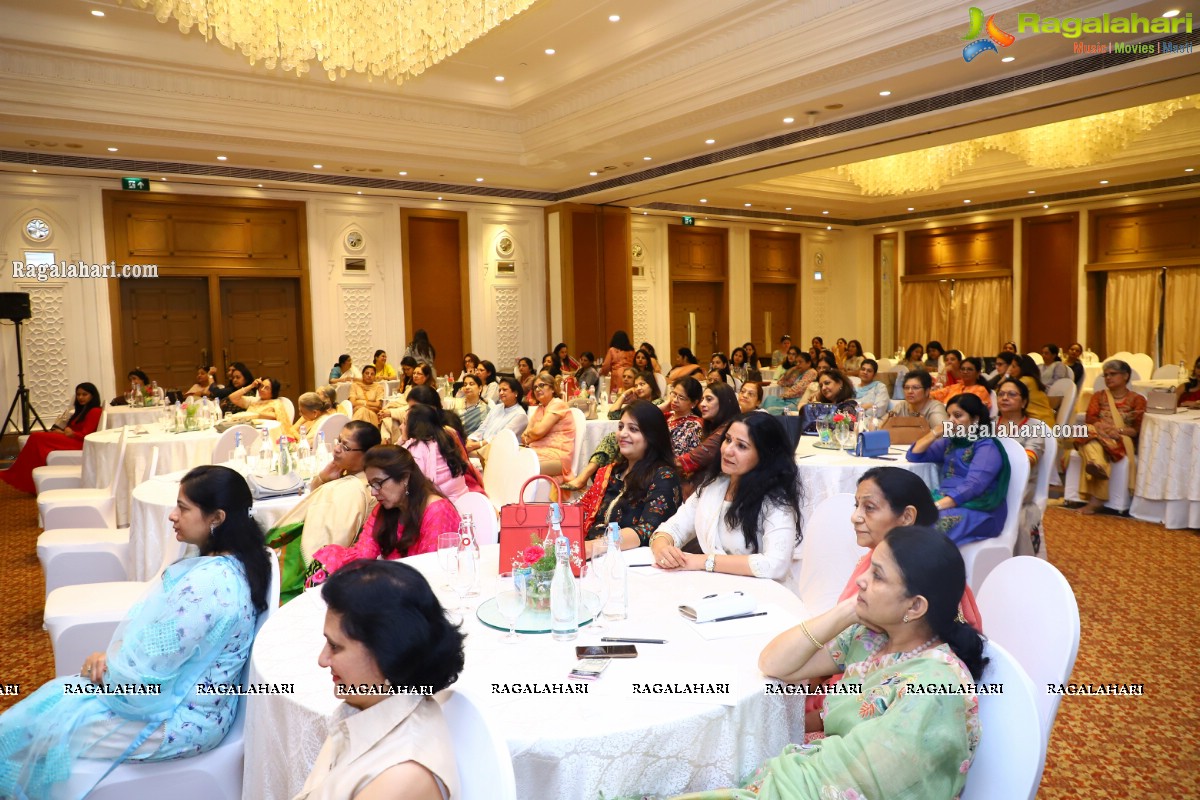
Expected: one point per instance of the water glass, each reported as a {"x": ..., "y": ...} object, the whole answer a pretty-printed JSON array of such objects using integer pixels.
[
  {"x": 593, "y": 579},
  {"x": 464, "y": 577},
  {"x": 448, "y": 554},
  {"x": 510, "y": 601}
]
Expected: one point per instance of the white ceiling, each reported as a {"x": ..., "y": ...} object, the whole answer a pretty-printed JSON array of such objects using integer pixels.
[{"x": 657, "y": 84}]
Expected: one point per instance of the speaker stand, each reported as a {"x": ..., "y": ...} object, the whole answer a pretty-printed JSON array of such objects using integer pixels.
[{"x": 28, "y": 412}]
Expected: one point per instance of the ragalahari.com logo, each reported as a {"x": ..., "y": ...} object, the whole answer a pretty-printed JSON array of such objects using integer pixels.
[{"x": 994, "y": 37}]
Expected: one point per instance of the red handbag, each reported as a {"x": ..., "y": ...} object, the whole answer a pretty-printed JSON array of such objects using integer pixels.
[{"x": 523, "y": 524}]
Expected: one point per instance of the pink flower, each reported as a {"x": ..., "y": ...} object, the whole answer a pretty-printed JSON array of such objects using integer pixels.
[
  {"x": 964, "y": 766},
  {"x": 320, "y": 576},
  {"x": 533, "y": 554}
]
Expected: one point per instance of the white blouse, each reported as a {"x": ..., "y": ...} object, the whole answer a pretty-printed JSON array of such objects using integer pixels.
[{"x": 702, "y": 517}]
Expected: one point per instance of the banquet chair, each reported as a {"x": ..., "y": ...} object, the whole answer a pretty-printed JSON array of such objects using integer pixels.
[
  {"x": 1037, "y": 358},
  {"x": 75, "y": 555},
  {"x": 661, "y": 380},
  {"x": 64, "y": 457},
  {"x": 343, "y": 392},
  {"x": 223, "y": 449},
  {"x": 346, "y": 407},
  {"x": 483, "y": 513},
  {"x": 1167, "y": 372},
  {"x": 885, "y": 364},
  {"x": 993, "y": 405},
  {"x": 1011, "y": 751},
  {"x": 871, "y": 356},
  {"x": 829, "y": 552},
  {"x": 332, "y": 427},
  {"x": 1031, "y": 611},
  {"x": 1064, "y": 388},
  {"x": 485, "y": 769},
  {"x": 104, "y": 499},
  {"x": 215, "y": 774},
  {"x": 498, "y": 474},
  {"x": 981, "y": 557},
  {"x": 57, "y": 476},
  {"x": 898, "y": 371},
  {"x": 290, "y": 408},
  {"x": 1098, "y": 384}
]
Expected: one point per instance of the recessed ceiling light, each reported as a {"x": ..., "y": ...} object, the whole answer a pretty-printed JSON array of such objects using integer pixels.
[
  {"x": 710, "y": 141},
  {"x": 828, "y": 227},
  {"x": 789, "y": 208},
  {"x": 614, "y": 17},
  {"x": 500, "y": 79},
  {"x": 824, "y": 212},
  {"x": 966, "y": 201},
  {"x": 910, "y": 208},
  {"x": 439, "y": 198},
  {"x": 1174, "y": 12},
  {"x": 1008, "y": 59},
  {"x": 402, "y": 172},
  {"x": 259, "y": 186},
  {"x": 1031, "y": 191},
  {"x": 1188, "y": 169},
  {"x": 162, "y": 179},
  {"x": 788, "y": 120},
  {"x": 317, "y": 166},
  {"x": 885, "y": 93},
  {"x": 647, "y": 158},
  {"x": 549, "y": 51},
  {"x": 34, "y": 170},
  {"x": 112, "y": 149},
  {"x": 747, "y": 205},
  {"x": 222, "y": 158},
  {"x": 703, "y": 199},
  {"x": 479, "y": 180},
  {"x": 1045, "y": 206},
  {"x": 358, "y": 193},
  {"x": 1103, "y": 181},
  {"x": 593, "y": 172},
  {"x": 98, "y": 13}
]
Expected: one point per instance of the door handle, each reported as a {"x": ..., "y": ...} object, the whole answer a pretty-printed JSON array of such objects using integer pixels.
[{"x": 204, "y": 357}]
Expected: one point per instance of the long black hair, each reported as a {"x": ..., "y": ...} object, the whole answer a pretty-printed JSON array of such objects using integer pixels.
[
  {"x": 903, "y": 488},
  {"x": 399, "y": 465},
  {"x": 727, "y": 407},
  {"x": 421, "y": 345},
  {"x": 247, "y": 375},
  {"x": 490, "y": 369},
  {"x": 653, "y": 425},
  {"x": 93, "y": 402},
  {"x": 771, "y": 482},
  {"x": 652, "y": 382},
  {"x": 844, "y": 394},
  {"x": 426, "y": 395},
  {"x": 1029, "y": 368},
  {"x": 687, "y": 355},
  {"x": 1191, "y": 384},
  {"x": 425, "y": 424},
  {"x": 620, "y": 341},
  {"x": 211, "y": 488},
  {"x": 933, "y": 568}
]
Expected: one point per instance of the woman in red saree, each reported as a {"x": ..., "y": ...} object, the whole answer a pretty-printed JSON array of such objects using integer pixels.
[{"x": 84, "y": 420}]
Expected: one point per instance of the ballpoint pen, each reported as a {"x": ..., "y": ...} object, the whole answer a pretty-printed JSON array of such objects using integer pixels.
[{"x": 738, "y": 616}]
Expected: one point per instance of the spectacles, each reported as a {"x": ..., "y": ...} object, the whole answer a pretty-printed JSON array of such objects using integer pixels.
[
  {"x": 377, "y": 486},
  {"x": 341, "y": 445},
  {"x": 1008, "y": 394},
  {"x": 537, "y": 386}
]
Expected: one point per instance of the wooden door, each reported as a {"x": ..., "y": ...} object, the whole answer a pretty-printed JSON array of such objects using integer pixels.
[
  {"x": 261, "y": 328},
  {"x": 771, "y": 314},
  {"x": 167, "y": 330},
  {"x": 435, "y": 296},
  {"x": 1049, "y": 255},
  {"x": 700, "y": 305}
]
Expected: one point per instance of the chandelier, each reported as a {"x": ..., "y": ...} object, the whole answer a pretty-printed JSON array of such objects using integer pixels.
[
  {"x": 1068, "y": 144},
  {"x": 394, "y": 38}
]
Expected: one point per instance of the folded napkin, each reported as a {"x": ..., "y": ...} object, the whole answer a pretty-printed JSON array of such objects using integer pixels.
[{"x": 715, "y": 606}]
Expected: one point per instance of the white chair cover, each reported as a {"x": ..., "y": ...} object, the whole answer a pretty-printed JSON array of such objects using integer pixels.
[
  {"x": 985, "y": 555},
  {"x": 332, "y": 427},
  {"x": 223, "y": 449},
  {"x": 290, "y": 408},
  {"x": 485, "y": 770},
  {"x": 828, "y": 552}
]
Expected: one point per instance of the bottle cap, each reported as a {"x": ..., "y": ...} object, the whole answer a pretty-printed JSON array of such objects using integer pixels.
[{"x": 555, "y": 514}]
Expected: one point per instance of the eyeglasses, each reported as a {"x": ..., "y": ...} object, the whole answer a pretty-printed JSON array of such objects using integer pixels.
[
  {"x": 1007, "y": 394},
  {"x": 341, "y": 445},
  {"x": 377, "y": 486},
  {"x": 537, "y": 386}
]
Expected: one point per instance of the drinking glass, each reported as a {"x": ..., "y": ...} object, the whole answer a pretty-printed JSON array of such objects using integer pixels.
[
  {"x": 593, "y": 579},
  {"x": 845, "y": 434},
  {"x": 464, "y": 577},
  {"x": 510, "y": 601},
  {"x": 448, "y": 554}
]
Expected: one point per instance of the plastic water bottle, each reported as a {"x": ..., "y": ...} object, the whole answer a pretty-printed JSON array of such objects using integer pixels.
[
  {"x": 469, "y": 541},
  {"x": 617, "y": 576},
  {"x": 265, "y": 455},
  {"x": 304, "y": 457},
  {"x": 564, "y": 595},
  {"x": 285, "y": 465},
  {"x": 156, "y": 394},
  {"x": 1182, "y": 370},
  {"x": 239, "y": 452}
]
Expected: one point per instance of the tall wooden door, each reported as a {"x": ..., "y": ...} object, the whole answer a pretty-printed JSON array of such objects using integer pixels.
[
  {"x": 436, "y": 296},
  {"x": 698, "y": 317},
  {"x": 262, "y": 329},
  {"x": 1050, "y": 253},
  {"x": 167, "y": 329},
  {"x": 771, "y": 314}
]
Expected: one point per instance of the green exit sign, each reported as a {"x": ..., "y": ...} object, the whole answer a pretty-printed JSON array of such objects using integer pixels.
[
  {"x": 135, "y": 184},
  {"x": 689, "y": 220}
]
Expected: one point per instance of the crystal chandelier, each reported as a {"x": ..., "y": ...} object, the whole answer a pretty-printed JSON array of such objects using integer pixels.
[
  {"x": 1068, "y": 144},
  {"x": 394, "y": 38}
]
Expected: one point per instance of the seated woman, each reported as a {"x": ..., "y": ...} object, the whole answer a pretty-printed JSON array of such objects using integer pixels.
[
  {"x": 642, "y": 361},
  {"x": 913, "y": 361},
  {"x": 935, "y": 356},
  {"x": 551, "y": 430},
  {"x": 640, "y": 489},
  {"x": 138, "y": 383},
  {"x": 624, "y": 388},
  {"x": 718, "y": 406},
  {"x": 1188, "y": 391},
  {"x": 1075, "y": 363},
  {"x": 565, "y": 361},
  {"x": 619, "y": 355},
  {"x": 470, "y": 365},
  {"x": 654, "y": 365},
  {"x": 193, "y": 629},
  {"x": 872, "y": 394},
  {"x": 409, "y": 514},
  {"x": 968, "y": 381},
  {"x": 550, "y": 364},
  {"x": 1024, "y": 368},
  {"x": 852, "y": 363},
  {"x": 266, "y": 405},
  {"x": 366, "y": 396},
  {"x": 421, "y": 349},
  {"x": 508, "y": 414},
  {"x": 240, "y": 378},
  {"x": 384, "y": 626},
  {"x": 1114, "y": 420},
  {"x": 750, "y": 397},
  {"x": 332, "y": 512},
  {"x": 744, "y": 511},
  {"x": 949, "y": 374},
  {"x": 383, "y": 370},
  {"x": 971, "y": 499},
  {"x": 1013, "y": 422},
  {"x": 1009, "y": 347},
  {"x": 344, "y": 370},
  {"x": 1053, "y": 369},
  {"x": 587, "y": 376},
  {"x": 1004, "y": 361},
  {"x": 204, "y": 380},
  {"x": 685, "y": 366},
  {"x": 794, "y": 383},
  {"x": 780, "y": 357},
  {"x": 752, "y": 359},
  {"x": 525, "y": 376},
  {"x": 918, "y": 403},
  {"x": 437, "y": 454},
  {"x": 486, "y": 372},
  {"x": 901, "y": 630},
  {"x": 720, "y": 363},
  {"x": 405, "y": 374},
  {"x": 84, "y": 419},
  {"x": 471, "y": 408},
  {"x": 645, "y": 387},
  {"x": 835, "y": 393},
  {"x": 313, "y": 409}
]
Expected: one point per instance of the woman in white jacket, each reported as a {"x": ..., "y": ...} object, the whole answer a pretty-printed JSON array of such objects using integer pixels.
[{"x": 745, "y": 511}]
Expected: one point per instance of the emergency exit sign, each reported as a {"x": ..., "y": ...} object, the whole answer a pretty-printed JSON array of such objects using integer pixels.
[
  {"x": 689, "y": 220},
  {"x": 135, "y": 184}
]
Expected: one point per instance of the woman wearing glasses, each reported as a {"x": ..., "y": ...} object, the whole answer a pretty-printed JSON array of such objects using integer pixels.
[
  {"x": 366, "y": 396},
  {"x": 1013, "y": 422},
  {"x": 551, "y": 430},
  {"x": 409, "y": 515},
  {"x": 1114, "y": 419},
  {"x": 332, "y": 511}
]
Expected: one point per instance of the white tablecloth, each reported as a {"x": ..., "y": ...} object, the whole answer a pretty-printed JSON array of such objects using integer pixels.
[
  {"x": 593, "y": 431},
  {"x": 1167, "y": 488},
  {"x": 118, "y": 416},
  {"x": 563, "y": 746},
  {"x": 150, "y": 532}
]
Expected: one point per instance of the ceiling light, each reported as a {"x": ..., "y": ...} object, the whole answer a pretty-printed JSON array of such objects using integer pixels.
[
  {"x": 647, "y": 158},
  {"x": 910, "y": 208},
  {"x": 593, "y": 173},
  {"x": 1031, "y": 191},
  {"x": 402, "y": 172},
  {"x": 747, "y": 205},
  {"x": 35, "y": 170},
  {"x": 98, "y": 13},
  {"x": 499, "y": 79},
  {"x": 710, "y": 141},
  {"x": 479, "y": 180},
  {"x": 112, "y": 149},
  {"x": 1045, "y": 206},
  {"x": 614, "y": 17},
  {"x": 966, "y": 201},
  {"x": 1008, "y": 59},
  {"x": 824, "y": 212},
  {"x": 789, "y": 208},
  {"x": 222, "y": 158},
  {"x": 162, "y": 179},
  {"x": 885, "y": 93},
  {"x": 261, "y": 185},
  {"x": 1103, "y": 182},
  {"x": 1188, "y": 169},
  {"x": 703, "y": 199},
  {"x": 1174, "y": 12},
  {"x": 828, "y": 227},
  {"x": 788, "y": 120},
  {"x": 317, "y": 166},
  {"x": 549, "y": 51},
  {"x": 439, "y": 198}
]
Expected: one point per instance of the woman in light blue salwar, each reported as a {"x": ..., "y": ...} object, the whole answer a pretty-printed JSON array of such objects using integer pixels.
[{"x": 149, "y": 697}]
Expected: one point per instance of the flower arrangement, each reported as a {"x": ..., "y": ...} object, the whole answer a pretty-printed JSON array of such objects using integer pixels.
[
  {"x": 839, "y": 417},
  {"x": 537, "y": 566}
]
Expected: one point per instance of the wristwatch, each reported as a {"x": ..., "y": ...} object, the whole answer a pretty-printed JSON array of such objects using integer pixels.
[{"x": 710, "y": 563}]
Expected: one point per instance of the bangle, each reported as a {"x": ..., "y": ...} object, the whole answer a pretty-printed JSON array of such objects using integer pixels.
[
  {"x": 662, "y": 533},
  {"x": 811, "y": 638}
]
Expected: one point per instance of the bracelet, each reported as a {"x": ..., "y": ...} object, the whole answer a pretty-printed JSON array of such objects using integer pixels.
[
  {"x": 811, "y": 638},
  {"x": 661, "y": 533}
]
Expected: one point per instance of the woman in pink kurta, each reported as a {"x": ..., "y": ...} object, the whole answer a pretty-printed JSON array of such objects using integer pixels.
[
  {"x": 84, "y": 420},
  {"x": 551, "y": 429},
  {"x": 619, "y": 356},
  {"x": 409, "y": 515}
]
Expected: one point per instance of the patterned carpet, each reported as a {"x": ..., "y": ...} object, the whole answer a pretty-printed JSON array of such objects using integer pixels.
[{"x": 1137, "y": 588}]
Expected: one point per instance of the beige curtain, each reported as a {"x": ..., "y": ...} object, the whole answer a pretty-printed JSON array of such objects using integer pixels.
[
  {"x": 1131, "y": 311},
  {"x": 981, "y": 316},
  {"x": 924, "y": 312},
  {"x": 1181, "y": 324}
]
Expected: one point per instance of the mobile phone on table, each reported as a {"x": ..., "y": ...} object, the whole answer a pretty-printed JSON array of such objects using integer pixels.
[
  {"x": 606, "y": 651},
  {"x": 589, "y": 669}
]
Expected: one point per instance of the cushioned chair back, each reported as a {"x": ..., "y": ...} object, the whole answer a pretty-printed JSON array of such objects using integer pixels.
[
  {"x": 829, "y": 552},
  {"x": 485, "y": 770}
]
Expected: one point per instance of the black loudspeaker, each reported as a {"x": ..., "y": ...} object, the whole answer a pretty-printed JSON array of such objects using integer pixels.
[{"x": 14, "y": 306}]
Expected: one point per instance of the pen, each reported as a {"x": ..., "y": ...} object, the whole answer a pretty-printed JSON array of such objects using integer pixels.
[
  {"x": 643, "y": 565},
  {"x": 739, "y": 616},
  {"x": 632, "y": 641}
]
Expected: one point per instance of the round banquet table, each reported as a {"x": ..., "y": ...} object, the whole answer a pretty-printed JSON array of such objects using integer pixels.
[
  {"x": 571, "y": 746},
  {"x": 119, "y": 416},
  {"x": 1167, "y": 487},
  {"x": 593, "y": 431},
  {"x": 176, "y": 451},
  {"x": 151, "y": 538}
]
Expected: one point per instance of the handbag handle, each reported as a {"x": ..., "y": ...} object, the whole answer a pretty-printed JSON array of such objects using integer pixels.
[{"x": 525, "y": 485}]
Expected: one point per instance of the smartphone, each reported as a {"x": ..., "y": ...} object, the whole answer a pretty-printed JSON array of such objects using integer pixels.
[{"x": 606, "y": 651}]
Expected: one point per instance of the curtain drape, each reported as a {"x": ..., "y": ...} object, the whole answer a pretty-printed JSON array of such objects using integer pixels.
[
  {"x": 980, "y": 316},
  {"x": 924, "y": 312},
  {"x": 1131, "y": 311},
  {"x": 1181, "y": 322}
]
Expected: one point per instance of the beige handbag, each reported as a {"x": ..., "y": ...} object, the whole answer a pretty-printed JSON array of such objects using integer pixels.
[{"x": 905, "y": 430}]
